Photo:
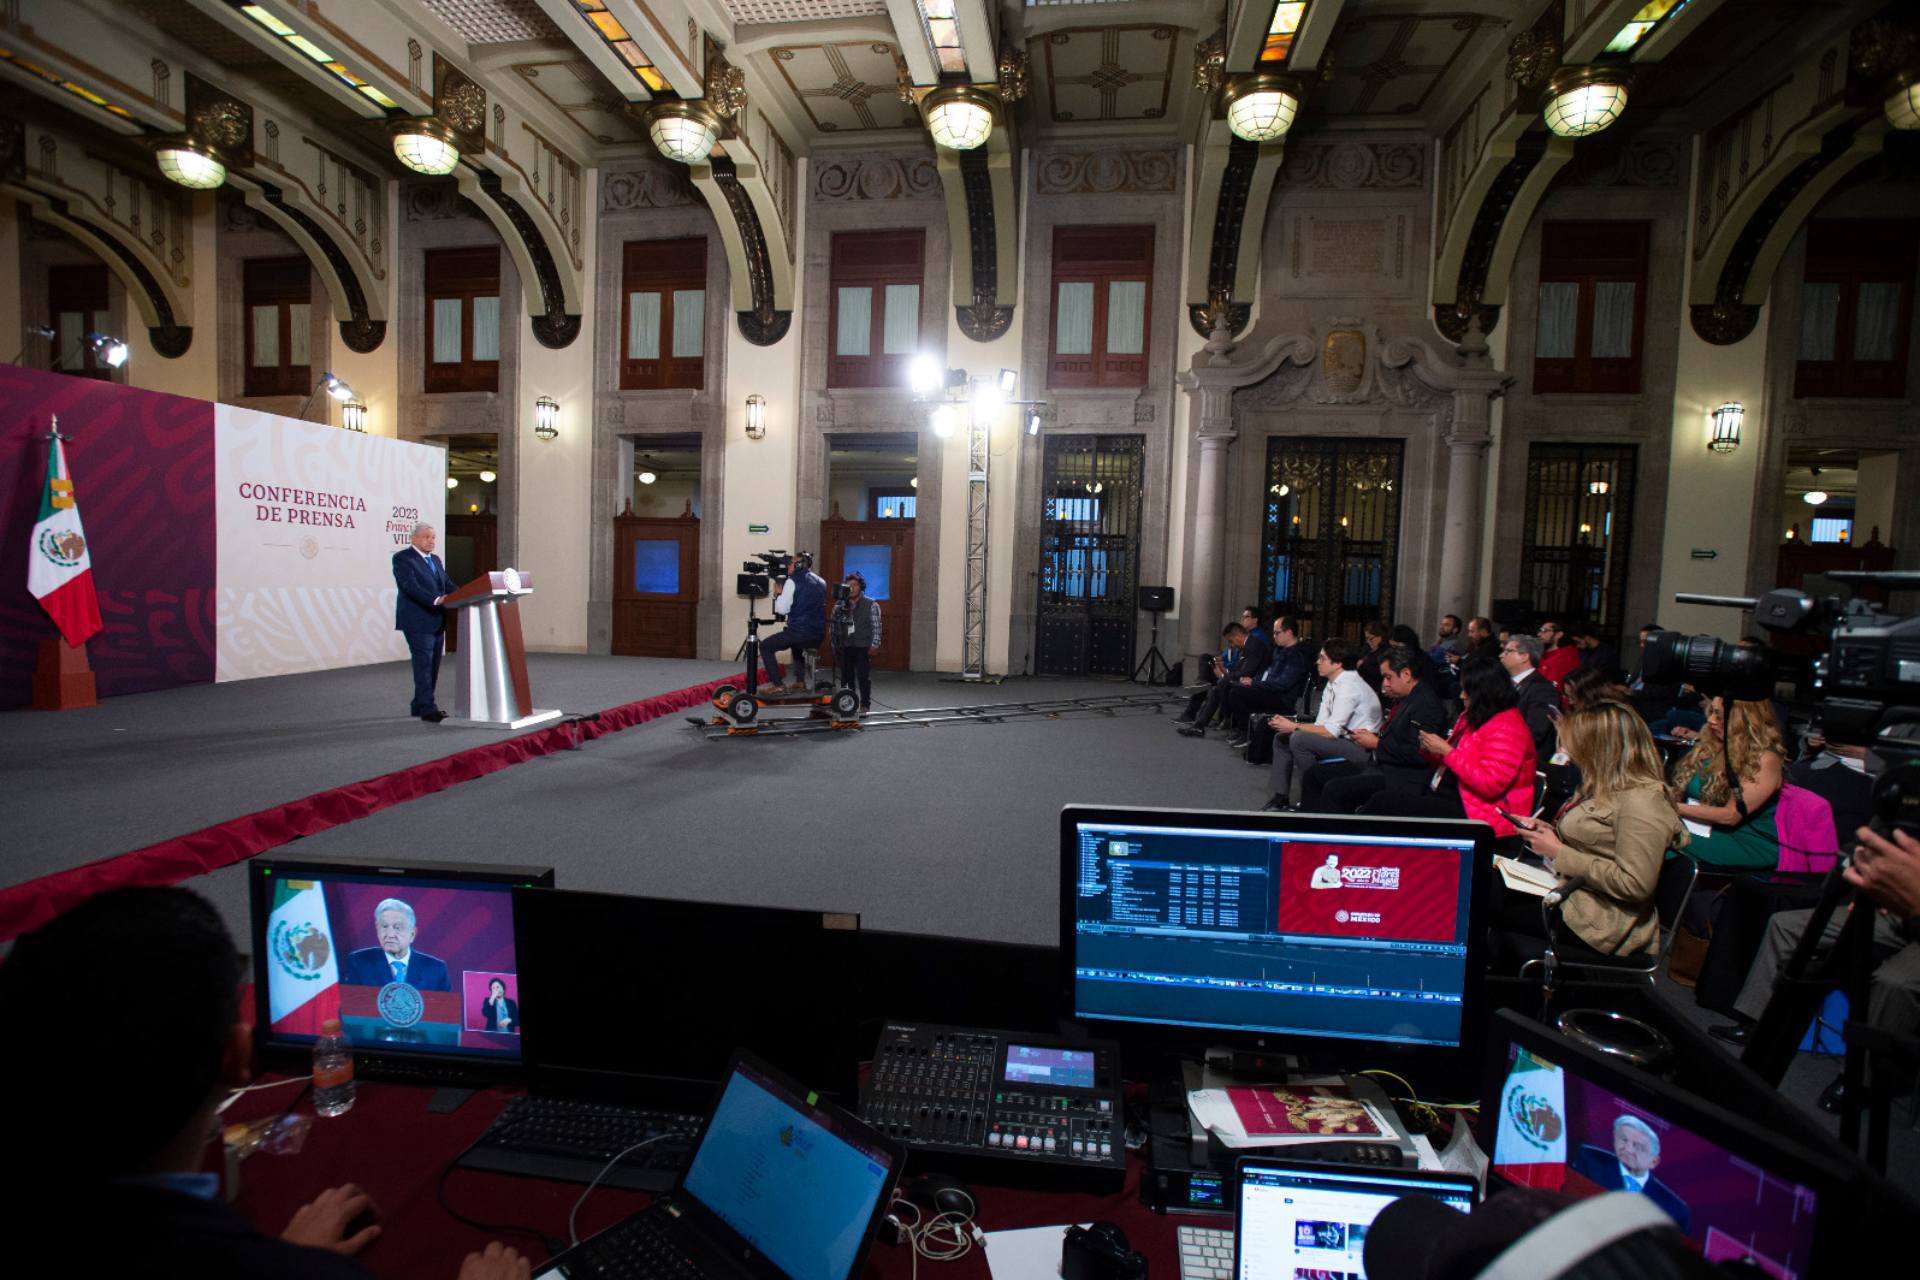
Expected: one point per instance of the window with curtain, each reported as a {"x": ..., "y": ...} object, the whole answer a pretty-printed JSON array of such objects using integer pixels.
[
  {"x": 463, "y": 319},
  {"x": 1102, "y": 293},
  {"x": 277, "y": 294},
  {"x": 665, "y": 339},
  {"x": 874, "y": 285},
  {"x": 1856, "y": 309},
  {"x": 1591, "y": 324},
  {"x": 77, "y": 299}
]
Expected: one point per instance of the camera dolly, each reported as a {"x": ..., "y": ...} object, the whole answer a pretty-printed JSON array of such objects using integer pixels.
[{"x": 738, "y": 710}]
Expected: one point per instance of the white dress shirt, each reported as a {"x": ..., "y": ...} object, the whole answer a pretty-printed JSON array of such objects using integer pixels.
[{"x": 1349, "y": 703}]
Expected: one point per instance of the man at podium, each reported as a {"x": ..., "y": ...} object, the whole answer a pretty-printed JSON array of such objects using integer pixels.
[{"x": 423, "y": 583}]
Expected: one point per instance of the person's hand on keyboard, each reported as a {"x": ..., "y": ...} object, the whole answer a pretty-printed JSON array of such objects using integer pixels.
[
  {"x": 339, "y": 1220},
  {"x": 499, "y": 1262}
]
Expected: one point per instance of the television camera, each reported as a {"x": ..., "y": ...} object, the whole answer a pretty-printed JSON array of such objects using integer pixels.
[{"x": 757, "y": 576}]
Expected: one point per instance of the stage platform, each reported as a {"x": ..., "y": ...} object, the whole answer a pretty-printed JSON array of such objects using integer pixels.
[{"x": 83, "y": 785}]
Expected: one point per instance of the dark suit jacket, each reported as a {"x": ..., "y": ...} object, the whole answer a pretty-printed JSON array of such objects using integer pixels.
[
  {"x": 420, "y": 584},
  {"x": 1257, "y": 653},
  {"x": 368, "y": 967},
  {"x": 513, "y": 1014},
  {"x": 1398, "y": 755},
  {"x": 188, "y": 1237},
  {"x": 1536, "y": 694},
  {"x": 1600, "y": 1166}
]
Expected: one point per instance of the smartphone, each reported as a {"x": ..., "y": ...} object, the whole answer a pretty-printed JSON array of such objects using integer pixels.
[{"x": 1523, "y": 824}]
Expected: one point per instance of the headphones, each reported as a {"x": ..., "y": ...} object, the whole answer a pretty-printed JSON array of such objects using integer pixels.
[{"x": 1571, "y": 1236}]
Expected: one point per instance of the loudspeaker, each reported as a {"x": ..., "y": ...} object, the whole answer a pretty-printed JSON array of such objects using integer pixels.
[{"x": 1156, "y": 599}]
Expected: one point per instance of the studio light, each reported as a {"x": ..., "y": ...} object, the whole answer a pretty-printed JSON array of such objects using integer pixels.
[
  {"x": 353, "y": 415},
  {"x": 1724, "y": 435},
  {"x": 334, "y": 387},
  {"x": 683, "y": 131},
  {"x": 925, "y": 375},
  {"x": 1584, "y": 100},
  {"x": 959, "y": 117},
  {"x": 1903, "y": 107},
  {"x": 987, "y": 395},
  {"x": 1033, "y": 424},
  {"x": 1262, "y": 108},
  {"x": 646, "y": 477},
  {"x": 425, "y": 145},
  {"x": 943, "y": 422},
  {"x": 1814, "y": 497},
  {"x": 756, "y": 417},
  {"x": 546, "y": 417},
  {"x": 1009, "y": 380},
  {"x": 190, "y": 163},
  {"x": 488, "y": 477},
  {"x": 112, "y": 351}
]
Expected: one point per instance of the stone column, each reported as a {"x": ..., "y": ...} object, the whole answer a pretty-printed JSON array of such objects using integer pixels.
[
  {"x": 1213, "y": 434},
  {"x": 1466, "y": 486}
]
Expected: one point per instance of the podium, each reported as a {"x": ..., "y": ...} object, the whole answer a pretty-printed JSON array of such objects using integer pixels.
[{"x": 491, "y": 687}]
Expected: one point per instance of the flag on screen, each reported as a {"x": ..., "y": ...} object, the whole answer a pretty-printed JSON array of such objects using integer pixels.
[
  {"x": 1530, "y": 1144},
  {"x": 59, "y": 567},
  {"x": 303, "y": 970}
]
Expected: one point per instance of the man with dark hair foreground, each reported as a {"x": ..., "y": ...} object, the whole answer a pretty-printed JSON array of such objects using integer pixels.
[{"x": 115, "y": 1099}]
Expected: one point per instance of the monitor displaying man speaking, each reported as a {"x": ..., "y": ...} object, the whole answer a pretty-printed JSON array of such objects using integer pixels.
[{"x": 395, "y": 959}]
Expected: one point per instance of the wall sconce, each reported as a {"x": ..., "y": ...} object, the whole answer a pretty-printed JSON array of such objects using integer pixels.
[
  {"x": 756, "y": 417},
  {"x": 546, "y": 417},
  {"x": 1725, "y": 434},
  {"x": 353, "y": 415}
]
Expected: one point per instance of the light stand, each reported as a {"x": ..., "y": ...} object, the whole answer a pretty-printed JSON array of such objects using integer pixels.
[{"x": 35, "y": 333}]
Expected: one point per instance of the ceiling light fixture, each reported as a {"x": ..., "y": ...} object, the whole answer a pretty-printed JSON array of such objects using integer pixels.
[
  {"x": 425, "y": 145},
  {"x": 1814, "y": 497},
  {"x": 959, "y": 116},
  {"x": 1585, "y": 100},
  {"x": 191, "y": 164},
  {"x": 1262, "y": 108},
  {"x": 683, "y": 131},
  {"x": 488, "y": 477},
  {"x": 452, "y": 483},
  {"x": 646, "y": 477}
]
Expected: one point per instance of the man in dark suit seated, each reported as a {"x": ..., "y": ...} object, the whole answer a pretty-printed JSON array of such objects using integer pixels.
[
  {"x": 117, "y": 1189},
  {"x": 1332, "y": 787},
  {"x": 417, "y": 615},
  {"x": 1538, "y": 696},
  {"x": 395, "y": 959},
  {"x": 1630, "y": 1165}
]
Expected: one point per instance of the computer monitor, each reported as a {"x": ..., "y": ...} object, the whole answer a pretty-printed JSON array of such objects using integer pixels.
[
  {"x": 1273, "y": 932},
  {"x": 1295, "y": 1220},
  {"x": 644, "y": 998},
  {"x": 1558, "y": 1115},
  {"x": 416, "y": 959}
]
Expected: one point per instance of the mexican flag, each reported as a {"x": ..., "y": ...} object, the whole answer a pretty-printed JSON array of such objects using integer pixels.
[
  {"x": 1530, "y": 1144},
  {"x": 59, "y": 568},
  {"x": 303, "y": 966}
]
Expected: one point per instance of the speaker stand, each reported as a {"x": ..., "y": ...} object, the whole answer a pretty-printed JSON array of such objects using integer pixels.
[{"x": 1154, "y": 663}]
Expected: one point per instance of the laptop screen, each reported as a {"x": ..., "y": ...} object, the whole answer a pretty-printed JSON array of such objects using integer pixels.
[
  {"x": 796, "y": 1181},
  {"x": 1301, "y": 1224}
]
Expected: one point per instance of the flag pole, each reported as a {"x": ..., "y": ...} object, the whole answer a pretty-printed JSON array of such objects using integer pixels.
[{"x": 62, "y": 678}]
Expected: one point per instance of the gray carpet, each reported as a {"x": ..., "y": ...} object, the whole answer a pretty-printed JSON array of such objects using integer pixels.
[{"x": 182, "y": 759}]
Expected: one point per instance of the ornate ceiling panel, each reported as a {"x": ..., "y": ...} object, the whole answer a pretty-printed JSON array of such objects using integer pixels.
[
  {"x": 847, "y": 86},
  {"x": 1108, "y": 73},
  {"x": 495, "y": 21},
  {"x": 745, "y": 11},
  {"x": 1390, "y": 63},
  {"x": 572, "y": 85}
]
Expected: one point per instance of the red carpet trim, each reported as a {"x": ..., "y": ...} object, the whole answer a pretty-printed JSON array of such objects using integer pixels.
[{"x": 25, "y": 907}]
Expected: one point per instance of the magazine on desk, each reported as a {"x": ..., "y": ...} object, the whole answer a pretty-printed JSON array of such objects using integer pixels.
[{"x": 1281, "y": 1115}]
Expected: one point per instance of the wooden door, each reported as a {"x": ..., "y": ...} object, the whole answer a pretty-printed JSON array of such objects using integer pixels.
[
  {"x": 882, "y": 550},
  {"x": 656, "y": 585}
]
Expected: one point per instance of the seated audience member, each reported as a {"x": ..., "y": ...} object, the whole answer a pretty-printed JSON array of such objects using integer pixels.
[
  {"x": 1616, "y": 833},
  {"x": 1595, "y": 653},
  {"x": 1486, "y": 763},
  {"x": 1842, "y": 774},
  {"x": 1781, "y": 720},
  {"x": 1255, "y": 653},
  {"x": 1481, "y": 640},
  {"x": 110, "y": 1180},
  {"x": 1346, "y": 704},
  {"x": 1405, "y": 637},
  {"x": 1374, "y": 639},
  {"x": 1397, "y": 763},
  {"x": 1560, "y": 655},
  {"x": 1585, "y": 688},
  {"x": 1533, "y": 693},
  {"x": 1452, "y": 642},
  {"x": 1684, "y": 719},
  {"x": 1652, "y": 699},
  {"x": 1886, "y": 869},
  {"x": 1224, "y": 671},
  {"x": 1277, "y": 688},
  {"x": 1738, "y": 838}
]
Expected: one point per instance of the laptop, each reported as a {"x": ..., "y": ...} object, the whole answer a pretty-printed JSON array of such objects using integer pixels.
[
  {"x": 782, "y": 1185},
  {"x": 1295, "y": 1220}
]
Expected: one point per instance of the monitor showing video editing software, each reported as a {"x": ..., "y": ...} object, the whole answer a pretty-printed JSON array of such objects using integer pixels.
[
  {"x": 1272, "y": 927},
  {"x": 415, "y": 959}
]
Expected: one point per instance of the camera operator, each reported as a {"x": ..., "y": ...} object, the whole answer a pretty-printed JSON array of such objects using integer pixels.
[
  {"x": 806, "y": 623},
  {"x": 856, "y": 634}
]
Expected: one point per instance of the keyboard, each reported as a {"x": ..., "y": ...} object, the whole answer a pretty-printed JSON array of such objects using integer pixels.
[
  {"x": 569, "y": 1141},
  {"x": 644, "y": 1247},
  {"x": 1206, "y": 1253}
]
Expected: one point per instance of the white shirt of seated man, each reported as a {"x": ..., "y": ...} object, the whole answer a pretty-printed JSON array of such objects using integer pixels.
[{"x": 1348, "y": 703}]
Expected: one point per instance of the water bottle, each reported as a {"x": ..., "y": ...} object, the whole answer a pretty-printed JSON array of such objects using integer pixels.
[{"x": 332, "y": 1071}]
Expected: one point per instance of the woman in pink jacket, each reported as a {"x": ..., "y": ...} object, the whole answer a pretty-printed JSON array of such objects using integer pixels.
[{"x": 1486, "y": 763}]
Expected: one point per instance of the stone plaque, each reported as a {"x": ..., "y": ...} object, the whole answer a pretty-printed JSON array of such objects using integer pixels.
[{"x": 1348, "y": 253}]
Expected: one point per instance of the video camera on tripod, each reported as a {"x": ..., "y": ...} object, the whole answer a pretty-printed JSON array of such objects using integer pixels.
[
  {"x": 1866, "y": 685},
  {"x": 757, "y": 576}
]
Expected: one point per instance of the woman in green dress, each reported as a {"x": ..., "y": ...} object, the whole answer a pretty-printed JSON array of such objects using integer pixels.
[{"x": 1734, "y": 840}]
